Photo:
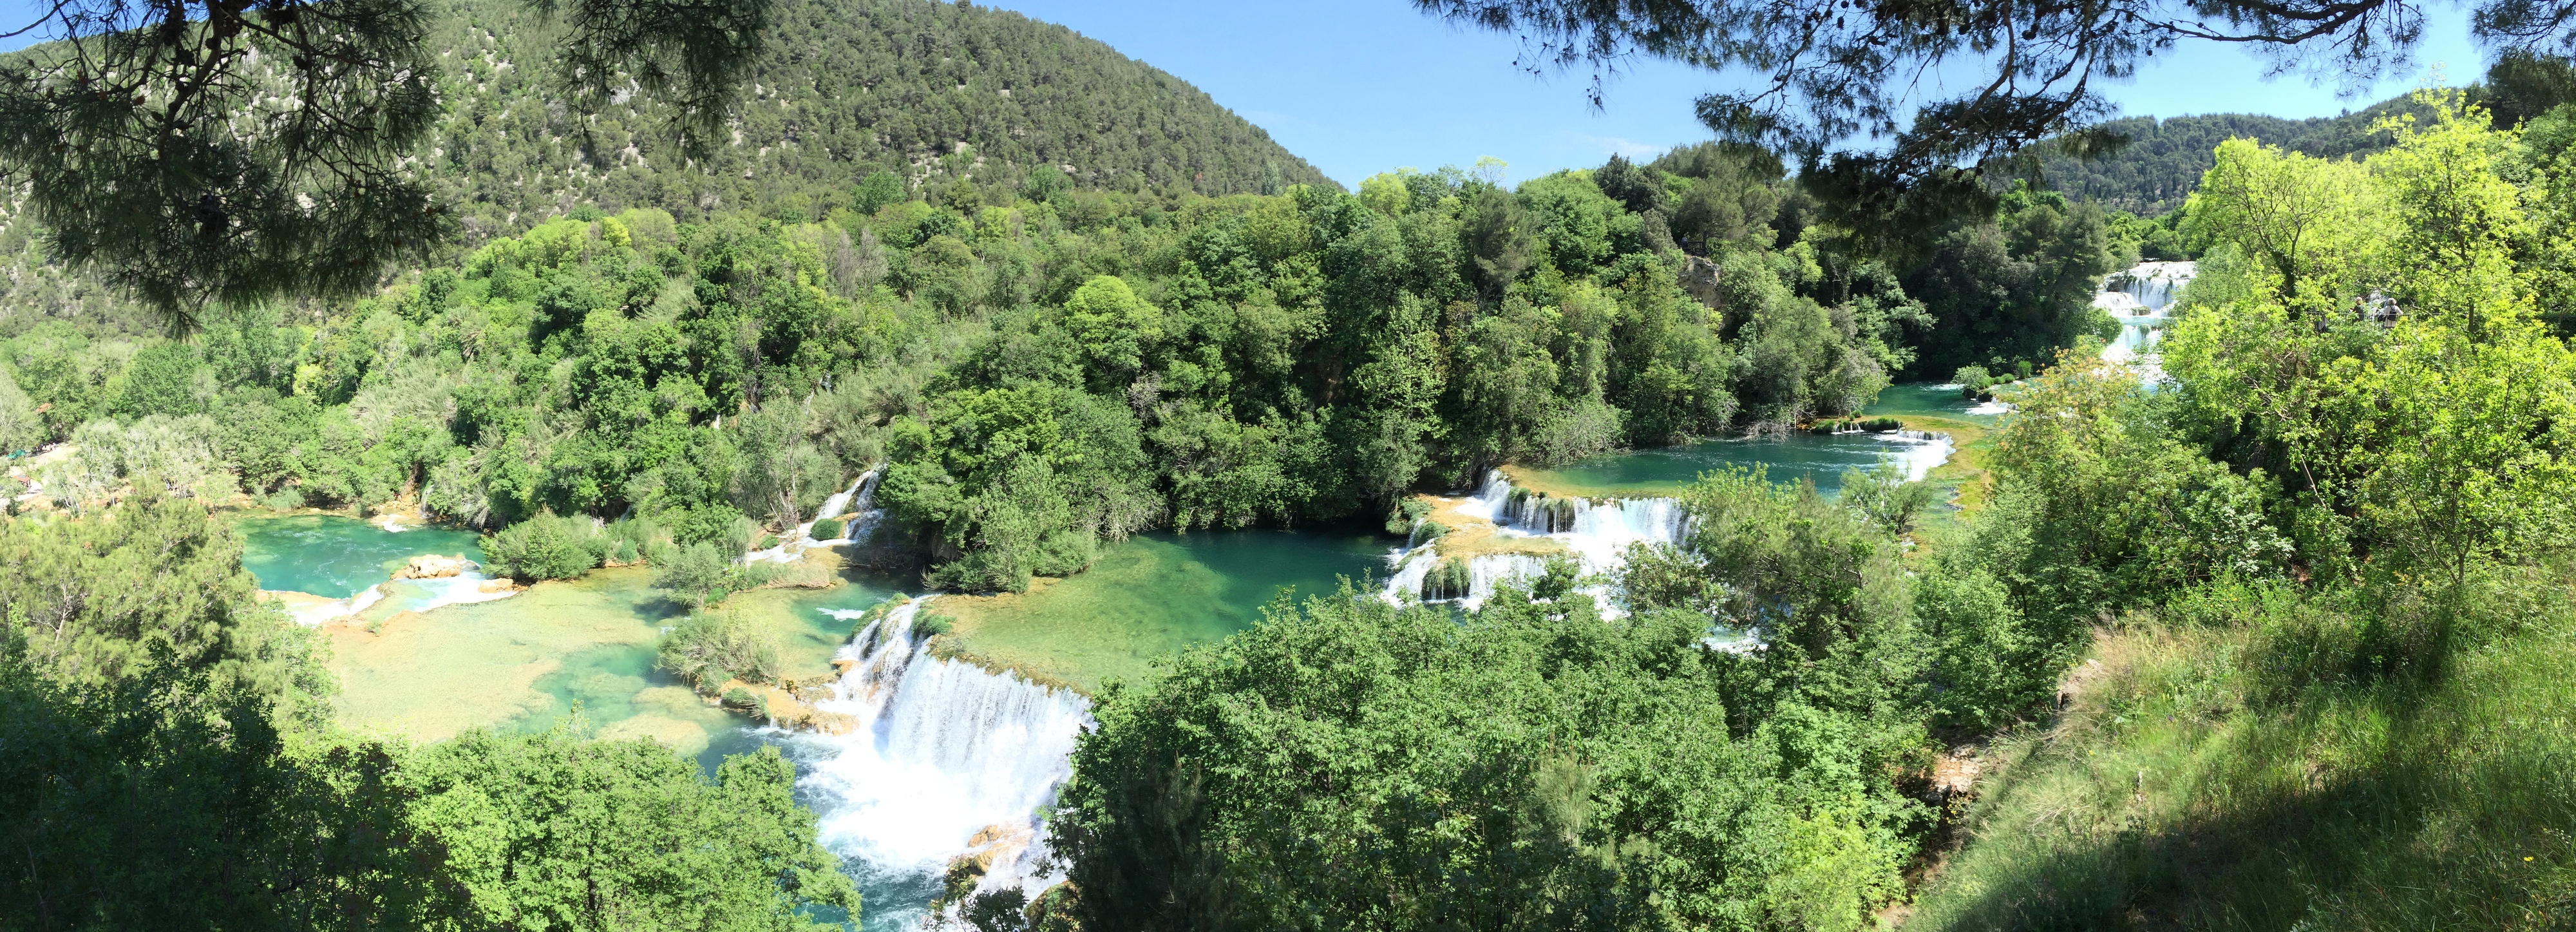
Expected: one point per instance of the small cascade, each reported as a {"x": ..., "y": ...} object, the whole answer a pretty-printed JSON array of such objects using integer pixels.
[
  {"x": 860, "y": 497},
  {"x": 944, "y": 759},
  {"x": 2138, "y": 298},
  {"x": 1594, "y": 533}
]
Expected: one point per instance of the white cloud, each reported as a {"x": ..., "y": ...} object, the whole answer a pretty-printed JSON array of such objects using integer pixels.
[{"x": 1613, "y": 145}]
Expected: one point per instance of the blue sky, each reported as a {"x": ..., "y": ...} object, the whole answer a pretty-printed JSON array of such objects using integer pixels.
[{"x": 1362, "y": 86}]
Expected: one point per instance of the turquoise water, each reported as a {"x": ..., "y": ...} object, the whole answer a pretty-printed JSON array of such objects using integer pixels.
[
  {"x": 1921, "y": 398},
  {"x": 1818, "y": 458},
  {"x": 1155, "y": 594},
  {"x": 336, "y": 557}
]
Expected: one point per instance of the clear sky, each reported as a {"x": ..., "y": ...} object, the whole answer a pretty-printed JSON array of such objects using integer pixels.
[{"x": 1362, "y": 86}]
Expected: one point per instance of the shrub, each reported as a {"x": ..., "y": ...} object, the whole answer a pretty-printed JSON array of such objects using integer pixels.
[
  {"x": 746, "y": 700},
  {"x": 544, "y": 547},
  {"x": 1973, "y": 381},
  {"x": 707, "y": 649},
  {"x": 826, "y": 529},
  {"x": 1450, "y": 580}
]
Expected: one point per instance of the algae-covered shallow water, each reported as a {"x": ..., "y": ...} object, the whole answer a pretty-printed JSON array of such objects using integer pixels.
[
  {"x": 1155, "y": 594},
  {"x": 523, "y": 662}
]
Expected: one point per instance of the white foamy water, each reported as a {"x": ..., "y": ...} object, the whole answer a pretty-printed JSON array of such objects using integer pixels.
[
  {"x": 1595, "y": 533},
  {"x": 2138, "y": 297},
  {"x": 945, "y": 759},
  {"x": 860, "y": 497}
]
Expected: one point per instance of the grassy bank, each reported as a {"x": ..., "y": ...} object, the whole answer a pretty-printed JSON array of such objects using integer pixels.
[{"x": 2237, "y": 770}]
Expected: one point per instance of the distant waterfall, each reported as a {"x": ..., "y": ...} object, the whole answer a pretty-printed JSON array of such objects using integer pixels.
[
  {"x": 2138, "y": 298},
  {"x": 945, "y": 759},
  {"x": 1595, "y": 533},
  {"x": 860, "y": 497}
]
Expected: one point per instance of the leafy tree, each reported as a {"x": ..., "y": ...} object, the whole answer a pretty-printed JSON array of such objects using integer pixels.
[
  {"x": 115, "y": 127},
  {"x": 97, "y": 600},
  {"x": 1536, "y": 765},
  {"x": 2304, "y": 218}
]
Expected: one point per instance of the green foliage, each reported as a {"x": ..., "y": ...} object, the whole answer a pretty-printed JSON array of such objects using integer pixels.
[
  {"x": 931, "y": 626},
  {"x": 2019, "y": 287},
  {"x": 708, "y": 648},
  {"x": 1885, "y": 495},
  {"x": 544, "y": 547},
  {"x": 171, "y": 764},
  {"x": 556, "y": 830},
  {"x": 1533, "y": 764},
  {"x": 151, "y": 582},
  {"x": 179, "y": 797},
  {"x": 2282, "y": 724},
  {"x": 1448, "y": 579},
  {"x": 1817, "y": 584}
]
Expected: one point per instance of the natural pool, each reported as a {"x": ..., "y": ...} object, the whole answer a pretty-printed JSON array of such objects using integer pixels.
[
  {"x": 1155, "y": 594},
  {"x": 334, "y": 557},
  {"x": 526, "y": 660}
]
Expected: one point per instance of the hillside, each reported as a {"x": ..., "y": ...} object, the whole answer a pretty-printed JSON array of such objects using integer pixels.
[
  {"x": 2165, "y": 158},
  {"x": 848, "y": 87}
]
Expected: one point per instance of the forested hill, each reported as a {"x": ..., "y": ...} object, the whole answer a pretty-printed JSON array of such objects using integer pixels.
[
  {"x": 847, "y": 87},
  {"x": 2164, "y": 158},
  {"x": 932, "y": 91}
]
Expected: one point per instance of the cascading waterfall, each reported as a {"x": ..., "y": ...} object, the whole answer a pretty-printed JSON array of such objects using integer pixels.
[
  {"x": 2138, "y": 298},
  {"x": 860, "y": 497},
  {"x": 1595, "y": 533},
  {"x": 944, "y": 759}
]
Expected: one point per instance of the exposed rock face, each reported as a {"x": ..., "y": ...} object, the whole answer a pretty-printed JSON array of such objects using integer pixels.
[
  {"x": 503, "y": 584},
  {"x": 433, "y": 566},
  {"x": 1700, "y": 277}
]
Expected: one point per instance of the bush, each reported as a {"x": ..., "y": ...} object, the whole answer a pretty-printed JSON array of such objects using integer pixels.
[
  {"x": 705, "y": 650},
  {"x": 826, "y": 529},
  {"x": 1973, "y": 381},
  {"x": 746, "y": 700},
  {"x": 699, "y": 573},
  {"x": 1450, "y": 580},
  {"x": 544, "y": 547}
]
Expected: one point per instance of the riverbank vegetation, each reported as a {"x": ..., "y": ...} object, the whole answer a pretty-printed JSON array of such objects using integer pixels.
[
  {"x": 1046, "y": 367},
  {"x": 172, "y": 763},
  {"x": 2279, "y": 643}
]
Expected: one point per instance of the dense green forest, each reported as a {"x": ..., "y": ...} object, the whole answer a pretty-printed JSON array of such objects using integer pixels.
[
  {"x": 2306, "y": 606},
  {"x": 932, "y": 91},
  {"x": 1045, "y": 366},
  {"x": 2163, "y": 160}
]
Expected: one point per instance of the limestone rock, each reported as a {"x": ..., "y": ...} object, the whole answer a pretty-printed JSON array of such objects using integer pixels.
[{"x": 433, "y": 566}]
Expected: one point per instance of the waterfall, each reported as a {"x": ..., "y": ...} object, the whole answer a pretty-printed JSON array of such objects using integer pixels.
[
  {"x": 942, "y": 759},
  {"x": 859, "y": 497},
  {"x": 2138, "y": 297},
  {"x": 1595, "y": 533}
]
